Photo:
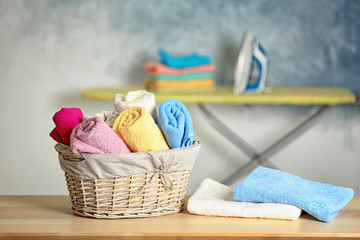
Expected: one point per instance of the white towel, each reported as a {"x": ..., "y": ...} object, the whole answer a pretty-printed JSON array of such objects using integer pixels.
[
  {"x": 140, "y": 98},
  {"x": 108, "y": 116},
  {"x": 215, "y": 199}
]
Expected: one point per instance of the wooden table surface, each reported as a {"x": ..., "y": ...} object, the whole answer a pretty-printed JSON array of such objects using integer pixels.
[{"x": 50, "y": 217}]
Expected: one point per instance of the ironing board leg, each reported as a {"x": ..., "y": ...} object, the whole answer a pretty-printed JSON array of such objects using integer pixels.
[
  {"x": 260, "y": 158},
  {"x": 295, "y": 133},
  {"x": 229, "y": 134}
]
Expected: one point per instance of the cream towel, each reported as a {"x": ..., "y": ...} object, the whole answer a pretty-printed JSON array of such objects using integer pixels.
[
  {"x": 140, "y": 98},
  {"x": 139, "y": 131},
  {"x": 215, "y": 199},
  {"x": 108, "y": 116}
]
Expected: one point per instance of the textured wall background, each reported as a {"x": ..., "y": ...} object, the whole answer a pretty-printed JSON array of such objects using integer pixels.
[{"x": 51, "y": 50}]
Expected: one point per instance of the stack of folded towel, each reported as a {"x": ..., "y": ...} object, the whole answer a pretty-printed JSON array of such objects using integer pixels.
[
  {"x": 269, "y": 193},
  {"x": 186, "y": 73},
  {"x": 132, "y": 126}
]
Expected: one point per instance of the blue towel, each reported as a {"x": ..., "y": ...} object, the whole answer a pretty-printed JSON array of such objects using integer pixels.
[
  {"x": 190, "y": 60},
  {"x": 322, "y": 201},
  {"x": 175, "y": 123}
]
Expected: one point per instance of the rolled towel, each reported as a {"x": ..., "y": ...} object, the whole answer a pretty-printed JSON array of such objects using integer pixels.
[
  {"x": 175, "y": 122},
  {"x": 322, "y": 201},
  {"x": 93, "y": 135},
  {"x": 190, "y": 60},
  {"x": 66, "y": 119},
  {"x": 56, "y": 136},
  {"x": 140, "y": 98},
  {"x": 215, "y": 199},
  {"x": 108, "y": 116},
  {"x": 155, "y": 69},
  {"x": 139, "y": 130}
]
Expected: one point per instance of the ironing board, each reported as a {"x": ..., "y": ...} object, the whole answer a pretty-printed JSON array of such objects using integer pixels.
[{"x": 324, "y": 97}]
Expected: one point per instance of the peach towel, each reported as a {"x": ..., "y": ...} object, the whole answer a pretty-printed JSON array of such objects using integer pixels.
[{"x": 155, "y": 68}]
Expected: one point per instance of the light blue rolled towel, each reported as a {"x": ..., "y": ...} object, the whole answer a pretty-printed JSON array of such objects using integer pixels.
[
  {"x": 265, "y": 185},
  {"x": 175, "y": 123},
  {"x": 190, "y": 60}
]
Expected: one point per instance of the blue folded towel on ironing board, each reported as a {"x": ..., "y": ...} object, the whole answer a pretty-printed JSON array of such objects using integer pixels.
[
  {"x": 322, "y": 201},
  {"x": 175, "y": 123},
  {"x": 190, "y": 60}
]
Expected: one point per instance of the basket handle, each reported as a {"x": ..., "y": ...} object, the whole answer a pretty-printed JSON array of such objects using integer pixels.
[{"x": 67, "y": 154}]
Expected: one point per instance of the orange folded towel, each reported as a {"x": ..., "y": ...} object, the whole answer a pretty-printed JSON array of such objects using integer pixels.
[
  {"x": 155, "y": 68},
  {"x": 195, "y": 83}
]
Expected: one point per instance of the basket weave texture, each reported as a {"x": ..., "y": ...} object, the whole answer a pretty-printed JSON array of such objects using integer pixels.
[{"x": 141, "y": 195}]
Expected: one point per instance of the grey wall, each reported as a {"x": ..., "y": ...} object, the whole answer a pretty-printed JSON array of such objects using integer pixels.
[{"x": 51, "y": 50}]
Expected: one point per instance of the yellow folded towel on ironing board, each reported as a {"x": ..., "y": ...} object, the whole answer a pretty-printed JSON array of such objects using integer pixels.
[{"x": 139, "y": 131}]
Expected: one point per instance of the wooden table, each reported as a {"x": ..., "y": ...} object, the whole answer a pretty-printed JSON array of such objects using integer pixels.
[{"x": 50, "y": 217}]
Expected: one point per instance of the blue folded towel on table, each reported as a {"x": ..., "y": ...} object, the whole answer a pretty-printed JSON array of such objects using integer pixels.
[
  {"x": 175, "y": 122},
  {"x": 190, "y": 60},
  {"x": 322, "y": 201}
]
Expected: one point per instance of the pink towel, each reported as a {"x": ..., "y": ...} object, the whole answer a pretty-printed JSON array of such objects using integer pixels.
[
  {"x": 65, "y": 121},
  {"x": 155, "y": 68},
  {"x": 93, "y": 135}
]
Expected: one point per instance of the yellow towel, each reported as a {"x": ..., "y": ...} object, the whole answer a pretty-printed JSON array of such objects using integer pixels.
[
  {"x": 139, "y": 131},
  {"x": 195, "y": 83}
]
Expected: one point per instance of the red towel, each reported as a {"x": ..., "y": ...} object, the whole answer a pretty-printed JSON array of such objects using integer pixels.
[{"x": 65, "y": 121}]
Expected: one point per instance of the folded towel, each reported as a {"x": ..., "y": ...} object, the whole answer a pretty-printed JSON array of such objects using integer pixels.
[
  {"x": 322, "y": 201},
  {"x": 140, "y": 98},
  {"x": 139, "y": 130},
  {"x": 93, "y": 135},
  {"x": 194, "y": 83},
  {"x": 215, "y": 199},
  {"x": 175, "y": 122},
  {"x": 65, "y": 121},
  {"x": 155, "y": 68},
  {"x": 183, "y": 77},
  {"x": 190, "y": 60},
  {"x": 169, "y": 90}
]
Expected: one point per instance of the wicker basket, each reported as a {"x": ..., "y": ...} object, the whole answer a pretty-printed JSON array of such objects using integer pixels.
[{"x": 141, "y": 195}]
